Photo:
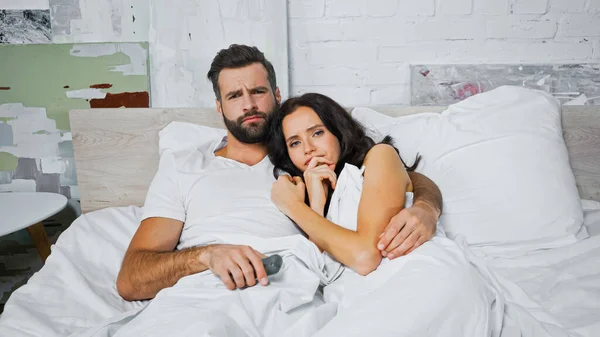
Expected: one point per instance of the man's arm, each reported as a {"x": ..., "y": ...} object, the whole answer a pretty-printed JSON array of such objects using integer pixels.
[
  {"x": 426, "y": 193},
  {"x": 151, "y": 263},
  {"x": 414, "y": 225}
]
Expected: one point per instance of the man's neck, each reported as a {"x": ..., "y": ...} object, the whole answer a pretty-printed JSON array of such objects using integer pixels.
[{"x": 249, "y": 154}]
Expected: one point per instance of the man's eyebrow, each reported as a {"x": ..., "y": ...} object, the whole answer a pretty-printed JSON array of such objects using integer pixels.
[
  {"x": 316, "y": 126},
  {"x": 260, "y": 88},
  {"x": 231, "y": 93}
]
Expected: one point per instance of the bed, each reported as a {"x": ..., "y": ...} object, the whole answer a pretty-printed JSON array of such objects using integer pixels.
[{"x": 116, "y": 158}]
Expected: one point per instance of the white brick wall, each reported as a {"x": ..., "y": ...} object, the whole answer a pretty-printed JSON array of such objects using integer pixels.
[
  {"x": 343, "y": 8},
  {"x": 572, "y": 6},
  {"x": 593, "y": 6},
  {"x": 580, "y": 25},
  {"x": 306, "y": 8},
  {"x": 416, "y": 8},
  {"x": 511, "y": 27},
  {"x": 342, "y": 53},
  {"x": 531, "y": 6},
  {"x": 381, "y": 8},
  {"x": 490, "y": 7},
  {"x": 358, "y": 8},
  {"x": 359, "y": 51},
  {"x": 455, "y": 7}
]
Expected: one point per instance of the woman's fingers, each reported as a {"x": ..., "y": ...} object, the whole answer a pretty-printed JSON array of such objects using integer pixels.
[
  {"x": 316, "y": 161},
  {"x": 328, "y": 175},
  {"x": 321, "y": 173}
]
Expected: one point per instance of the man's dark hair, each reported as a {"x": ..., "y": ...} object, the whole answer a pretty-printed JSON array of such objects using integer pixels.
[{"x": 238, "y": 56}]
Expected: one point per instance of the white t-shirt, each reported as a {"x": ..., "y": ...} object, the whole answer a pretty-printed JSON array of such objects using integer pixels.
[{"x": 215, "y": 196}]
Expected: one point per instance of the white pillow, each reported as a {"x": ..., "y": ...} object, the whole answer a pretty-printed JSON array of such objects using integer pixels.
[
  {"x": 179, "y": 136},
  {"x": 501, "y": 163}
]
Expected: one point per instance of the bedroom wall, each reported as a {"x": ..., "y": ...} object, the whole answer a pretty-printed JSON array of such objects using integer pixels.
[
  {"x": 186, "y": 35},
  {"x": 49, "y": 39},
  {"x": 359, "y": 51}
]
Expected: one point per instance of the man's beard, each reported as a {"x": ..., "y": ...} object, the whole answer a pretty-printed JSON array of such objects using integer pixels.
[{"x": 251, "y": 133}]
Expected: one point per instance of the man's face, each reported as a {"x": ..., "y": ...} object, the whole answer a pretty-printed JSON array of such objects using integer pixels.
[{"x": 247, "y": 102}]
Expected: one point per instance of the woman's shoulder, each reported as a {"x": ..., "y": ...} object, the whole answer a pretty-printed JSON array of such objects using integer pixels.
[
  {"x": 380, "y": 152},
  {"x": 384, "y": 163}
]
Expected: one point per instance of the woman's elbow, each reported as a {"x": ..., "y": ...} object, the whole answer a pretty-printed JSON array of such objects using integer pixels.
[{"x": 366, "y": 261}]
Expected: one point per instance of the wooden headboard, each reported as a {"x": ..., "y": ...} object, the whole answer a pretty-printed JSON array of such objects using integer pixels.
[{"x": 116, "y": 150}]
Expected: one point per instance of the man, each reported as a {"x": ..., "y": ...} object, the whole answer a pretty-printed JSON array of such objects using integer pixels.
[{"x": 227, "y": 188}]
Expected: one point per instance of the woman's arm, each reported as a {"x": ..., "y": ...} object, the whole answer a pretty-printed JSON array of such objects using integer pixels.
[{"x": 383, "y": 196}]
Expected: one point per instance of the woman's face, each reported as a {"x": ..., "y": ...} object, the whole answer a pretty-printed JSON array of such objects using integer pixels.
[{"x": 306, "y": 137}]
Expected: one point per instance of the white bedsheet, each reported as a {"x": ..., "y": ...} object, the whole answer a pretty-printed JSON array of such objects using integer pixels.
[
  {"x": 200, "y": 305},
  {"x": 563, "y": 284},
  {"x": 75, "y": 291},
  {"x": 411, "y": 295},
  {"x": 76, "y": 288}
]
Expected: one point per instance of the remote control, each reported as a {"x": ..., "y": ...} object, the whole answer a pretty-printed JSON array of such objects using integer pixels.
[{"x": 272, "y": 264}]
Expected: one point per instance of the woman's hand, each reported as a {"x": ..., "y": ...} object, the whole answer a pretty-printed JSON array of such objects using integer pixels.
[
  {"x": 318, "y": 176},
  {"x": 286, "y": 192}
]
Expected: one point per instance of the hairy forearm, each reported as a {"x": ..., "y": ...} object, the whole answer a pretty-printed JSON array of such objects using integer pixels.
[
  {"x": 144, "y": 273},
  {"x": 426, "y": 192}
]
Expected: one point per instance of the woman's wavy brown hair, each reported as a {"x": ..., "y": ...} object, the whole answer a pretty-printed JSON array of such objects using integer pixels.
[{"x": 354, "y": 142}]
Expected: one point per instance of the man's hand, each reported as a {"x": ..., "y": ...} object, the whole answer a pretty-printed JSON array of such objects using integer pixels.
[
  {"x": 408, "y": 230},
  {"x": 235, "y": 265}
]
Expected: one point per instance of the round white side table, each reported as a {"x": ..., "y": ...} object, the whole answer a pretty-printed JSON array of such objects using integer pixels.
[{"x": 20, "y": 210}]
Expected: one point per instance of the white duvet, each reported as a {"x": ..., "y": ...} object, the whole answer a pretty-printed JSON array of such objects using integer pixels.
[
  {"x": 551, "y": 293},
  {"x": 200, "y": 305}
]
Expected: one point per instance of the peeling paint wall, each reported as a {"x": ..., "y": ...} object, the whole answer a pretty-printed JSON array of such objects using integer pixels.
[
  {"x": 24, "y": 4},
  {"x": 36, "y": 152},
  {"x": 184, "y": 37},
  {"x": 75, "y": 21},
  {"x": 25, "y": 26}
]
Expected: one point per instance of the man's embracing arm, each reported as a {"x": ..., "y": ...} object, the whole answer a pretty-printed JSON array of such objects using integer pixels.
[
  {"x": 414, "y": 225},
  {"x": 151, "y": 262},
  {"x": 427, "y": 193}
]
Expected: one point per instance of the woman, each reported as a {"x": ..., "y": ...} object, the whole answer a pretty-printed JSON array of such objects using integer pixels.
[
  {"x": 343, "y": 190},
  {"x": 316, "y": 141}
]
